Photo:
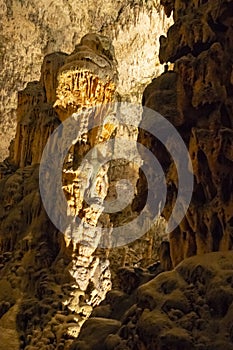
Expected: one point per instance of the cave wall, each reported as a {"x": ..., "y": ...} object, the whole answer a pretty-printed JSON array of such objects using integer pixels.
[
  {"x": 31, "y": 30},
  {"x": 189, "y": 307},
  {"x": 44, "y": 282},
  {"x": 38, "y": 261},
  {"x": 196, "y": 97}
]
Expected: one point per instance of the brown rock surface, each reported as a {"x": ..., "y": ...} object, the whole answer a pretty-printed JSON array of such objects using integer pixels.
[
  {"x": 196, "y": 98},
  {"x": 36, "y": 117},
  {"x": 60, "y": 279},
  {"x": 187, "y": 308}
]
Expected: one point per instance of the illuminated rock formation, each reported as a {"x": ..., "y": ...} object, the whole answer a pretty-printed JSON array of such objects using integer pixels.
[
  {"x": 25, "y": 229},
  {"x": 50, "y": 281},
  {"x": 88, "y": 77},
  {"x": 31, "y": 30},
  {"x": 36, "y": 118},
  {"x": 71, "y": 268}
]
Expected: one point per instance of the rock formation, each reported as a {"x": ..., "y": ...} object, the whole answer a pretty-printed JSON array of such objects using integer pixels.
[
  {"x": 31, "y": 30},
  {"x": 187, "y": 308},
  {"x": 36, "y": 117},
  {"x": 62, "y": 276},
  {"x": 197, "y": 99},
  {"x": 37, "y": 261},
  {"x": 50, "y": 281}
]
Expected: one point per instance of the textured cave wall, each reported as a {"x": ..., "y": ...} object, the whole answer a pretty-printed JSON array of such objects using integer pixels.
[
  {"x": 179, "y": 308},
  {"x": 188, "y": 308},
  {"x": 31, "y": 29},
  {"x": 197, "y": 99},
  {"x": 60, "y": 277}
]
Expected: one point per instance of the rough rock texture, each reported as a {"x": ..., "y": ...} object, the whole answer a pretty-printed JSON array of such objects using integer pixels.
[
  {"x": 31, "y": 29},
  {"x": 36, "y": 117},
  {"x": 74, "y": 82},
  {"x": 197, "y": 99},
  {"x": 58, "y": 279},
  {"x": 35, "y": 278},
  {"x": 50, "y": 282},
  {"x": 188, "y": 308}
]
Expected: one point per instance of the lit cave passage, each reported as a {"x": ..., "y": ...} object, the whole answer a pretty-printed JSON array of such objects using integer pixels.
[{"x": 61, "y": 289}]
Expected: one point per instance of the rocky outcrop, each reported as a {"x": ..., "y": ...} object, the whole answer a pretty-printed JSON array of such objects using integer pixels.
[
  {"x": 196, "y": 98},
  {"x": 187, "y": 308}
]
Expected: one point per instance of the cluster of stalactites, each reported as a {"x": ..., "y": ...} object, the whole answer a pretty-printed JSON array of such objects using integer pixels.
[{"x": 81, "y": 88}]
